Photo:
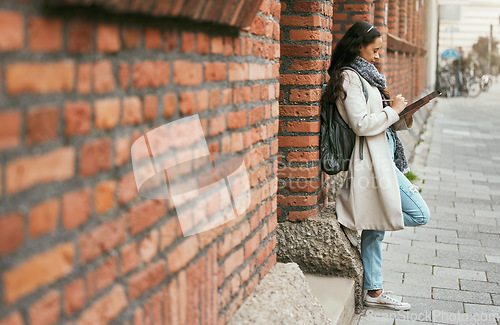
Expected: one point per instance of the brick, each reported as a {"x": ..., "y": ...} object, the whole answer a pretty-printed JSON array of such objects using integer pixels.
[
  {"x": 305, "y": 95},
  {"x": 215, "y": 71},
  {"x": 84, "y": 81},
  {"x": 297, "y": 200},
  {"x": 51, "y": 77},
  {"x": 301, "y": 79},
  {"x": 303, "y": 186},
  {"x": 106, "y": 273},
  {"x": 57, "y": 165},
  {"x": 42, "y": 125},
  {"x": 298, "y": 172},
  {"x": 169, "y": 104},
  {"x": 306, "y": 6},
  {"x": 104, "y": 80},
  {"x": 251, "y": 245},
  {"x": 38, "y": 271},
  {"x": 307, "y": 156},
  {"x": 171, "y": 41},
  {"x": 180, "y": 256},
  {"x": 14, "y": 318},
  {"x": 237, "y": 71},
  {"x": 150, "y": 74},
  {"x": 104, "y": 196},
  {"x": 131, "y": 37},
  {"x": 45, "y": 34},
  {"x": 77, "y": 117},
  {"x": 95, "y": 157},
  {"x": 313, "y": 51},
  {"x": 256, "y": 115},
  {"x": 202, "y": 100},
  {"x": 124, "y": 75},
  {"x": 101, "y": 239},
  {"x": 301, "y": 65},
  {"x": 216, "y": 45},
  {"x": 302, "y": 215},
  {"x": 80, "y": 36},
  {"x": 148, "y": 247},
  {"x": 11, "y": 232},
  {"x": 232, "y": 262},
  {"x": 132, "y": 111},
  {"x": 296, "y": 126},
  {"x": 153, "y": 39},
  {"x": 214, "y": 98},
  {"x": 150, "y": 107},
  {"x": 299, "y": 110},
  {"x": 144, "y": 215},
  {"x": 46, "y": 310},
  {"x": 187, "y": 42},
  {"x": 75, "y": 208},
  {"x": 306, "y": 35},
  {"x": 74, "y": 296},
  {"x": 187, "y": 73},
  {"x": 107, "y": 113},
  {"x": 122, "y": 150},
  {"x": 301, "y": 21},
  {"x": 130, "y": 258},
  {"x": 115, "y": 302},
  {"x": 357, "y": 7},
  {"x": 187, "y": 103},
  {"x": 43, "y": 217},
  {"x": 127, "y": 189},
  {"x": 10, "y": 129},
  {"x": 11, "y": 30},
  {"x": 299, "y": 141},
  {"x": 202, "y": 43},
  {"x": 236, "y": 120},
  {"x": 147, "y": 279},
  {"x": 108, "y": 38},
  {"x": 217, "y": 125}
]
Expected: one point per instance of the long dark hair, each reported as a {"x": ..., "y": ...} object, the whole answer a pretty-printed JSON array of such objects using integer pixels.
[{"x": 344, "y": 54}]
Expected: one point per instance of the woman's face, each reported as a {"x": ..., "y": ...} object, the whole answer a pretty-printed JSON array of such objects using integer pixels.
[{"x": 370, "y": 51}]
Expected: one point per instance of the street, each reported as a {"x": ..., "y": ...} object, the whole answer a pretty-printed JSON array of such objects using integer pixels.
[{"x": 449, "y": 269}]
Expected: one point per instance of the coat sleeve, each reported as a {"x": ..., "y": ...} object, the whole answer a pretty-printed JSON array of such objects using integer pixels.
[
  {"x": 402, "y": 125},
  {"x": 360, "y": 120}
]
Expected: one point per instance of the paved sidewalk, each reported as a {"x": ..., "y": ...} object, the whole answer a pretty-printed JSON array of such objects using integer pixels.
[{"x": 449, "y": 269}]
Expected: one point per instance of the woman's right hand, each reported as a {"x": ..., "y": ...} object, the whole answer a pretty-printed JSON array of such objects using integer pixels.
[{"x": 399, "y": 103}]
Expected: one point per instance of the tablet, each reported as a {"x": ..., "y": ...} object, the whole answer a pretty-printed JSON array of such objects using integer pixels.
[{"x": 416, "y": 105}]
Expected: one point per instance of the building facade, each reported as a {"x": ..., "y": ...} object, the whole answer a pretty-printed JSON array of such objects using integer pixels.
[{"x": 82, "y": 81}]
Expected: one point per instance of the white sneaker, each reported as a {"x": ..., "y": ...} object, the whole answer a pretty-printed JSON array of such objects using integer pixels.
[
  {"x": 352, "y": 235},
  {"x": 384, "y": 301}
]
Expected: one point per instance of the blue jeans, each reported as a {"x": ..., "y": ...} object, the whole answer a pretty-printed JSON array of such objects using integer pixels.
[{"x": 415, "y": 213}]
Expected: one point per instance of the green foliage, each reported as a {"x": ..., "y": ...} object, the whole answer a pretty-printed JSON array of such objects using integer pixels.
[{"x": 411, "y": 176}]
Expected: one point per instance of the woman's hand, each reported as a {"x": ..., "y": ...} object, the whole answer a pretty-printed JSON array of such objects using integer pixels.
[{"x": 399, "y": 103}]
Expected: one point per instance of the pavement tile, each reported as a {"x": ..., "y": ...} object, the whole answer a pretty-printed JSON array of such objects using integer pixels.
[
  {"x": 480, "y": 286},
  {"x": 434, "y": 231},
  {"x": 431, "y": 281},
  {"x": 459, "y": 273},
  {"x": 480, "y": 266},
  {"x": 462, "y": 241},
  {"x": 434, "y": 260},
  {"x": 496, "y": 299},
  {"x": 493, "y": 258},
  {"x": 462, "y": 296}
]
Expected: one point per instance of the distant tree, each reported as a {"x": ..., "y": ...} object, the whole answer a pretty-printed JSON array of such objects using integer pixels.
[{"x": 481, "y": 49}]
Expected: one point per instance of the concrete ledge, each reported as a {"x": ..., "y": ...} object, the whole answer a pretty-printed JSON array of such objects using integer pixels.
[
  {"x": 283, "y": 296},
  {"x": 319, "y": 246}
]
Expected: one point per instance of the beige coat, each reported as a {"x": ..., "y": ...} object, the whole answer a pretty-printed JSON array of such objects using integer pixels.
[{"x": 370, "y": 196}]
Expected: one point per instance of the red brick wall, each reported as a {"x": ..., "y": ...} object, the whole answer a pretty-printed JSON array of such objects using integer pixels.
[
  {"x": 305, "y": 54},
  {"x": 77, "y": 87}
]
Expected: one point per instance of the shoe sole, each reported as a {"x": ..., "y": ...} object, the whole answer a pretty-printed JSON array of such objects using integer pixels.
[{"x": 368, "y": 304}]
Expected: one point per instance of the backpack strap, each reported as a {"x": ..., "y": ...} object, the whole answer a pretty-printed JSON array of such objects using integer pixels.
[{"x": 365, "y": 92}]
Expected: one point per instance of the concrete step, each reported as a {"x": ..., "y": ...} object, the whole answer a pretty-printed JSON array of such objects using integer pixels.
[{"x": 336, "y": 295}]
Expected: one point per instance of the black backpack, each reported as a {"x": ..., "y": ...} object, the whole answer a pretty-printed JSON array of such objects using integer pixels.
[{"x": 337, "y": 139}]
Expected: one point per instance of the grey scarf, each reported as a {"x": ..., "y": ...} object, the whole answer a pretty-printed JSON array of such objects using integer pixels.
[{"x": 371, "y": 74}]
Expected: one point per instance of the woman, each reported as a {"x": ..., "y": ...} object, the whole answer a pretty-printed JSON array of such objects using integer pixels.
[{"x": 376, "y": 195}]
